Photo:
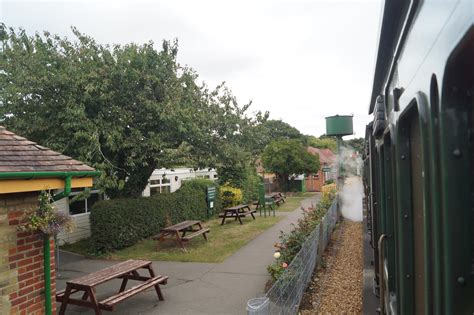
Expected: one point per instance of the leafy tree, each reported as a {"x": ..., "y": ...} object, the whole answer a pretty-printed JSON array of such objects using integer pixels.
[
  {"x": 322, "y": 143},
  {"x": 270, "y": 130},
  {"x": 278, "y": 129},
  {"x": 289, "y": 157},
  {"x": 126, "y": 110},
  {"x": 357, "y": 144}
]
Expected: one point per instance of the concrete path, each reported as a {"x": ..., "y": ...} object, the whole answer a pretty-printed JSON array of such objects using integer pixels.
[{"x": 194, "y": 288}]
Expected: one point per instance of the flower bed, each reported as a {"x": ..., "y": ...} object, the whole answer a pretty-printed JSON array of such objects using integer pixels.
[
  {"x": 290, "y": 243},
  {"x": 297, "y": 255}
]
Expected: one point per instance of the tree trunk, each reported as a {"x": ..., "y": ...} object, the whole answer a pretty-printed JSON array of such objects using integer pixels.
[
  {"x": 135, "y": 183},
  {"x": 283, "y": 180}
]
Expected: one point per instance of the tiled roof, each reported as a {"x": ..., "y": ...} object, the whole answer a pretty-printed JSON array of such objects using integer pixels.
[
  {"x": 325, "y": 155},
  {"x": 18, "y": 154}
]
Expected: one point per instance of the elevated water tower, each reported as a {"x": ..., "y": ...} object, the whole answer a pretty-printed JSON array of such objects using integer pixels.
[{"x": 339, "y": 126}]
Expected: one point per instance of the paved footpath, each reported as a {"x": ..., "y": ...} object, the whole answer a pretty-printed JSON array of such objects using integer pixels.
[{"x": 194, "y": 288}]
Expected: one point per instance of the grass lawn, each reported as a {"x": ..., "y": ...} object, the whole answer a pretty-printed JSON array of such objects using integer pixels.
[
  {"x": 305, "y": 194},
  {"x": 224, "y": 240},
  {"x": 293, "y": 203}
]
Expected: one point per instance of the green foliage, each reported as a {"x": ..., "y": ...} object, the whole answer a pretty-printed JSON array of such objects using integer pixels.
[
  {"x": 230, "y": 196},
  {"x": 250, "y": 185},
  {"x": 288, "y": 157},
  {"x": 322, "y": 143},
  {"x": 234, "y": 170},
  {"x": 46, "y": 219},
  {"x": 357, "y": 144},
  {"x": 243, "y": 176},
  {"x": 291, "y": 243},
  {"x": 329, "y": 192},
  {"x": 271, "y": 130},
  {"x": 126, "y": 110},
  {"x": 120, "y": 223}
]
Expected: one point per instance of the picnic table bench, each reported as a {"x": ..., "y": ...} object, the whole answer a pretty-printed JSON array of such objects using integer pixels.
[
  {"x": 271, "y": 199},
  {"x": 277, "y": 197},
  {"x": 269, "y": 202},
  {"x": 126, "y": 270},
  {"x": 237, "y": 212},
  {"x": 178, "y": 232}
]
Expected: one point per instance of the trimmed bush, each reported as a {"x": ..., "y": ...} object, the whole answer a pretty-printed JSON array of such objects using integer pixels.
[{"x": 121, "y": 223}]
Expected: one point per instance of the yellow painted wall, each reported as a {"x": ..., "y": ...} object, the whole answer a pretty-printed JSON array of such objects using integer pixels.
[{"x": 9, "y": 186}]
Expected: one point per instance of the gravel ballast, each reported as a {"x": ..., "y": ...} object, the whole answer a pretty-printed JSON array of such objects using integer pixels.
[{"x": 336, "y": 287}]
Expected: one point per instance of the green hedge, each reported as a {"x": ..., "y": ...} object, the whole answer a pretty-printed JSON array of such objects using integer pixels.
[{"x": 120, "y": 223}]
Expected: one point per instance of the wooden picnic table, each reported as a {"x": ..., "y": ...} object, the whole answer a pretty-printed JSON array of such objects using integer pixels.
[
  {"x": 178, "y": 232},
  {"x": 237, "y": 212},
  {"x": 277, "y": 197},
  {"x": 126, "y": 270}
]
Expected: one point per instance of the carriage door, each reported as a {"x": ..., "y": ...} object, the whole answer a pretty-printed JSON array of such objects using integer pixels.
[{"x": 413, "y": 214}]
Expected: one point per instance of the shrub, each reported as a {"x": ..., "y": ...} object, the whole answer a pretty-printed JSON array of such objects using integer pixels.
[
  {"x": 230, "y": 196},
  {"x": 244, "y": 177},
  {"x": 120, "y": 223},
  {"x": 329, "y": 191},
  {"x": 250, "y": 185},
  {"x": 329, "y": 181}
]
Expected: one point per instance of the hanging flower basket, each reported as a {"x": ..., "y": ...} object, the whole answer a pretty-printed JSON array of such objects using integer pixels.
[{"x": 46, "y": 219}]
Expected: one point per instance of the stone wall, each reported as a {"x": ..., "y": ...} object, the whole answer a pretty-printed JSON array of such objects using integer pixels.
[{"x": 21, "y": 259}]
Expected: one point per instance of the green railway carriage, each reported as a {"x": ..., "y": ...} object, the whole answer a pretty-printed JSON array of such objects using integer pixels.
[{"x": 419, "y": 158}]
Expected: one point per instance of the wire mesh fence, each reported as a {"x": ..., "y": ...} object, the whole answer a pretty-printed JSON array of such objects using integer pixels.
[{"x": 285, "y": 295}]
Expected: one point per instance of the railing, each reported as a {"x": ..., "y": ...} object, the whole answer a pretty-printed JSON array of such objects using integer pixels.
[{"x": 285, "y": 295}]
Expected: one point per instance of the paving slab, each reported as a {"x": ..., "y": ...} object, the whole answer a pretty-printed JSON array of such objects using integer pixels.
[{"x": 194, "y": 288}]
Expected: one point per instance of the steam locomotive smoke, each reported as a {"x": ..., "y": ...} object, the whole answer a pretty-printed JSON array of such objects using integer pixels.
[
  {"x": 352, "y": 190},
  {"x": 351, "y": 196}
]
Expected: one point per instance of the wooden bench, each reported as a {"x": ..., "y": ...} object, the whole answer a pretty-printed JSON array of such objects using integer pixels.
[
  {"x": 277, "y": 197},
  {"x": 178, "y": 232},
  {"x": 194, "y": 234},
  {"x": 109, "y": 303},
  {"x": 279, "y": 200},
  {"x": 237, "y": 212},
  {"x": 127, "y": 270},
  {"x": 240, "y": 214}
]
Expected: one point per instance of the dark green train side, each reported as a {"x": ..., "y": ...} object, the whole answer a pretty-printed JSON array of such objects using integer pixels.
[{"x": 419, "y": 159}]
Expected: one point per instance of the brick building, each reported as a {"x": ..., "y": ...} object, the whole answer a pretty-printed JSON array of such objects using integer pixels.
[
  {"x": 327, "y": 159},
  {"x": 25, "y": 169}
]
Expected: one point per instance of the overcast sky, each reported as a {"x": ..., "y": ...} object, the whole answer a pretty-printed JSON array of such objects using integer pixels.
[{"x": 300, "y": 60}]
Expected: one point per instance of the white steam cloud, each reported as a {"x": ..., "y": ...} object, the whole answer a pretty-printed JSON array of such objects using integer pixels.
[{"x": 351, "y": 193}]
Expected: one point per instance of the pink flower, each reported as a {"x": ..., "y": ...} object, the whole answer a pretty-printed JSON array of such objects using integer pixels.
[{"x": 284, "y": 265}]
